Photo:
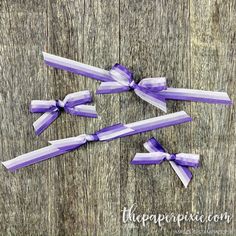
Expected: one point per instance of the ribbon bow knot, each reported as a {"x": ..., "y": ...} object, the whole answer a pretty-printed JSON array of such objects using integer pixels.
[
  {"x": 60, "y": 104},
  {"x": 91, "y": 137},
  {"x": 68, "y": 144},
  {"x": 179, "y": 162},
  {"x": 147, "y": 89},
  {"x": 120, "y": 79},
  {"x": 169, "y": 157},
  {"x": 73, "y": 104},
  {"x": 116, "y": 131},
  {"x": 133, "y": 85}
]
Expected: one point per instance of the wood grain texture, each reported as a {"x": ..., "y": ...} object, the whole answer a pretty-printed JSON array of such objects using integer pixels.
[{"x": 192, "y": 43}]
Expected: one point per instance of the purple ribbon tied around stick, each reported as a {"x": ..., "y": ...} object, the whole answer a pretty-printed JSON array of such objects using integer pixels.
[
  {"x": 120, "y": 79},
  {"x": 157, "y": 155},
  {"x": 73, "y": 103},
  {"x": 61, "y": 146}
]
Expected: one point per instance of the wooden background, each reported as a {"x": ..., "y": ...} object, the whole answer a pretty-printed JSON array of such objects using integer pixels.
[{"x": 192, "y": 42}]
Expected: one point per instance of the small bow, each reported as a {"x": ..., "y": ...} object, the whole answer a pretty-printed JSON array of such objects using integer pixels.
[
  {"x": 179, "y": 162},
  {"x": 73, "y": 104},
  {"x": 147, "y": 88}
]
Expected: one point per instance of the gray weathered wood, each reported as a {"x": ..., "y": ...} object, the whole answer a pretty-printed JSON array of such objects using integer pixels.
[{"x": 192, "y": 43}]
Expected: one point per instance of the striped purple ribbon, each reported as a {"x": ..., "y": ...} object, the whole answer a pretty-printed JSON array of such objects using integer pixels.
[
  {"x": 120, "y": 79},
  {"x": 73, "y": 103},
  {"x": 179, "y": 162},
  {"x": 61, "y": 146}
]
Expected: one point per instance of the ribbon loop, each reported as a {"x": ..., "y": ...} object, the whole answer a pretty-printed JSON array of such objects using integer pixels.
[
  {"x": 121, "y": 74},
  {"x": 179, "y": 162},
  {"x": 153, "y": 84},
  {"x": 40, "y": 106},
  {"x": 73, "y": 104}
]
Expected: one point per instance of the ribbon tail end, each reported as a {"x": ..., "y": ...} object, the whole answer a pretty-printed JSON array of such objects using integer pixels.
[
  {"x": 161, "y": 105},
  {"x": 38, "y": 131},
  {"x": 45, "y": 57},
  {"x": 133, "y": 162},
  {"x": 44, "y": 121},
  {"x": 4, "y": 163},
  {"x": 186, "y": 183},
  {"x": 8, "y": 168},
  {"x": 163, "y": 108},
  {"x": 157, "y": 101},
  {"x": 183, "y": 173}
]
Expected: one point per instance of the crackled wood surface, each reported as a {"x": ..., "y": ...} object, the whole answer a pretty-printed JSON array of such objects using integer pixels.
[{"x": 192, "y": 43}]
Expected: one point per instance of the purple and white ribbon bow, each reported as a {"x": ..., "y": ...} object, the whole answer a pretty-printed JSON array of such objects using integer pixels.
[
  {"x": 179, "y": 162},
  {"x": 120, "y": 79},
  {"x": 73, "y": 103},
  {"x": 109, "y": 133}
]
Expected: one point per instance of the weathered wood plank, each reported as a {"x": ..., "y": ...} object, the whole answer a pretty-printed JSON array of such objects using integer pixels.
[
  {"x": 67, "y": 173},
  {"x": 24, "y": 198},
  {"x": 155, "y": 42},
  {"x": 213, "y": 68},
  {"x": 83, "y": 192},
  {"x": 101, "y": 48}
]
